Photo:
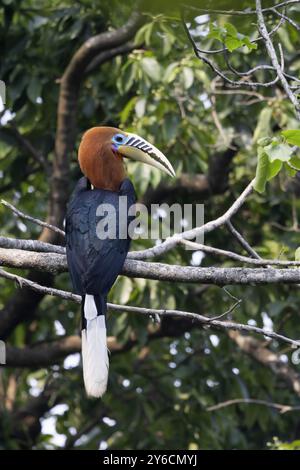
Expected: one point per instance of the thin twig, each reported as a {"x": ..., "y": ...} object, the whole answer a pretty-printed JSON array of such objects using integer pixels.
[
  {"x": 273, "y": 56},
  {"x": 254, "y": 401},
  {"x": 253, "y": 41},
  {"x": 247, "y": 11},
  {"x": 195, "y": 317},
  {"x": 32, "y": 219},
  {"x": 242, "y": 241},
  {"x": 286, "y": 18},
  {"x": 230, "y": 310},
  {"x": 237, "y": 257}
]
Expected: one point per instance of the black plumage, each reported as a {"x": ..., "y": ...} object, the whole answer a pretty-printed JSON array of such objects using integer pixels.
[{"x": 94, "y": 263}]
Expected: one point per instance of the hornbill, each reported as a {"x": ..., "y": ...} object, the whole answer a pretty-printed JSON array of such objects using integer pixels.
[{"x": 95, "y": 261}]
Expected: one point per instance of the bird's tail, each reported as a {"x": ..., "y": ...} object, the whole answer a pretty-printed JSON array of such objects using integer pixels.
[{"x": 94, "y": 348}]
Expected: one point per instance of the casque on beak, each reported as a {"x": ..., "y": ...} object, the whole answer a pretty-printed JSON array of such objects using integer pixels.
[{"x": 137, "y": 148}]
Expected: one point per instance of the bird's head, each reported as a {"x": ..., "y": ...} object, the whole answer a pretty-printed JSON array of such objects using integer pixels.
[{"x": 101, "y": 154}]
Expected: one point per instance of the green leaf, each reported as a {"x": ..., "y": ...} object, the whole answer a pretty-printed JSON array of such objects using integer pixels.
[
  {"x": 290, "y": 171},
  {"x": 76, "y": 28},
  {"x": 216, "y": 32},
  {"x": 34, "y": 89},
  {"x": 144, "y": 34},
  {"x": 263, "y": 127},
  {"x": 188, "y": 77},
  {"x": 171, "y": 72},
  {"x": 233, "y": 43},
  {"x": 167, "y": 44},
  {"x": 297, "y": 254},
  {"x": 127, "y": 109},
  {"x": 231, "y": 29},
  {"x": 295, "y": 161},
  {"x": 263, "y": 141},
  {"x": 151, "y": 68},
  {"x": 279, "y": 151},
  {"x": 262, "y": 171},
  {"x": 140, "y": 106},
  {"x": 273, "y": 169},
  {"x": 148, "y": 33},
  {"x": 292, "y": 136},
  {"x": 251, "y": 45}
]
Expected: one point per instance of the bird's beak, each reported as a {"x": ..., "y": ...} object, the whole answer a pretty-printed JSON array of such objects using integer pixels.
[{"x": 140, "y": 150}]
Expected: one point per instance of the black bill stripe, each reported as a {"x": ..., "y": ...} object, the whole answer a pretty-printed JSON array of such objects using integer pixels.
[
  {"x": 145, "y": 147},
  {"x": 132, "y": 139}
]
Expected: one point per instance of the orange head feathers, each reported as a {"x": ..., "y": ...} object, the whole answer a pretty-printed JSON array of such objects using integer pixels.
[
  {"x": 101, "y": 153},
  {"x": 98, "y": 161}
]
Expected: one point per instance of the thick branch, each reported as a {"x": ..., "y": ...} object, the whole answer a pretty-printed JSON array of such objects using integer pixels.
[
  {"x": 109, "y": 55},
  {"x": 55, "y": 263},
  {"x": 31, "y": 245}
]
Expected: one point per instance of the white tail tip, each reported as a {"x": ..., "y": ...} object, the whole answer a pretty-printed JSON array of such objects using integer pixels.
[{"x": 95, "y": 356}]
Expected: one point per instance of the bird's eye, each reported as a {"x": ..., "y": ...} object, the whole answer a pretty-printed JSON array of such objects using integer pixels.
[{"x": 119, "y": 138}]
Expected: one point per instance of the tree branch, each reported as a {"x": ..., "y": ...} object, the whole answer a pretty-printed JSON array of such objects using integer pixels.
[
  {"x": 32, "y": 219},
  {"x": 172, "y": 241},
  {"x": 236, "y": 257},
  {"x": 55, "y": 263},
  {"x": 253, "y": 401},
  {"x": 195, "y": 317},
  {"x": 273, "y": 56}
]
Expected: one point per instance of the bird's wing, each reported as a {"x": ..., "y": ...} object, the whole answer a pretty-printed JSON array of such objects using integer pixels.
[{"x": 95, "y": 263}]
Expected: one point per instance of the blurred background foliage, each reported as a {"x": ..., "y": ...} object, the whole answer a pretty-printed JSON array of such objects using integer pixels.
[{"x": 159, "y": 389}]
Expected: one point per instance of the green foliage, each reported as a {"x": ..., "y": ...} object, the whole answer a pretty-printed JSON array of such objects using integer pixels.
[
  {"x": 292, "y": 136},
  {"x": 273, "y": 154},
  {"x": 230, "y": 37},
  {"x": 278, "y": 445}
]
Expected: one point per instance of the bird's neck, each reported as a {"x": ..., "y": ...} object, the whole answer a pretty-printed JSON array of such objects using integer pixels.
[{"x": 104, "y": 171}]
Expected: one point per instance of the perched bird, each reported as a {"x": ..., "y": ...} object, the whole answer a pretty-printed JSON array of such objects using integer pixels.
[{"x": 95, "y": 261}]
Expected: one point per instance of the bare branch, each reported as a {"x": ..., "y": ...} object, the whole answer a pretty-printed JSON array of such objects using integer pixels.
[
  {"x": 244, "y": 244},
  {"x": 235, "y": 256},
  {"x": 254, "y": 41},
  {"x": 171, "y": 242},
  {"x": 55, "y": 263},
  {"x": 105, "y": 56},
  {"x": 31, "y": 245},
  {"x": 32, "y": 219},
  {"x": 273, "y": 56},
  {"x": 195, "y": 317},
  {"x": 221, "y": 74},
  {"x": 286, "y": 18},
  {"x": 253, "y": 401},
  {"x": 247, "y": 11}
]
